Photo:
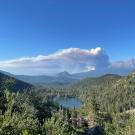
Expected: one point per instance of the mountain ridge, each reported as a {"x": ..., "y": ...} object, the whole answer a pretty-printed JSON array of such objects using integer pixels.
[
  {"x": 62, "y": 78},
  {"x": 13, "y": 84}
]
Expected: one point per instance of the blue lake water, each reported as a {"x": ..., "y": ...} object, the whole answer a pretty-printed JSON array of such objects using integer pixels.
[{"x": 68, "y": 102}]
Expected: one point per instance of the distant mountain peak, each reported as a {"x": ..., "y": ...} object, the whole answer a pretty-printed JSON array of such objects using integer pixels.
[{"x": 63, "y": 74}]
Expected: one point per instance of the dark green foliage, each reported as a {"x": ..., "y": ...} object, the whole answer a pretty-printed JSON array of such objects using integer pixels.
[
  {"x": 57, "y": 127},
  {"x": 17, "y": 117},
  {"x": 7, "y": 82},
  {"x": 108, "y": 108}
]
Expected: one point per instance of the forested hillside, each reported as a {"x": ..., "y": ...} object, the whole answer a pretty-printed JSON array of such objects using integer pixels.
[
  {"x": 96, "y": 82},
  {"x": 13, "y": 84},
  {"x": 107, "y": 109},
  {"x": 111, "y": 103}
]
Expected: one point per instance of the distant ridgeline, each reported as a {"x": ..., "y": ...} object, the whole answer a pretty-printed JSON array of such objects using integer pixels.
[
  {"x": 108, "y": 107},
  {"x": 8, "y": 82}
]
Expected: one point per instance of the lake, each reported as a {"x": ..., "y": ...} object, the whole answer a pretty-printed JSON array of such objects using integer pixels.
[{"x": 68, "y": 102}]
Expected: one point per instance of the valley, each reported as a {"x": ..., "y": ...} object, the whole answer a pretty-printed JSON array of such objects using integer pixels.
[{"x": 92, "y": 106}]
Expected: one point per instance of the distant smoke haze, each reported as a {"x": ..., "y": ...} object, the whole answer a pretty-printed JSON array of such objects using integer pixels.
[{"x": 73, "y": 60}]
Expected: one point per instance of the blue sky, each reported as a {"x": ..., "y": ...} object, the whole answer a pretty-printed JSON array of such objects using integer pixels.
[{"x": 42, "y": 27}]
